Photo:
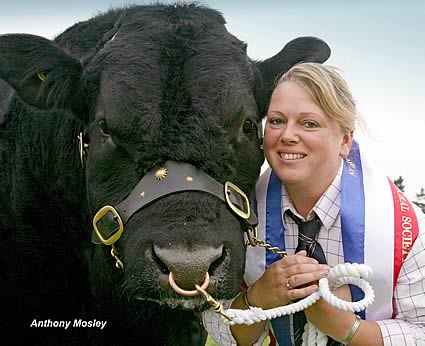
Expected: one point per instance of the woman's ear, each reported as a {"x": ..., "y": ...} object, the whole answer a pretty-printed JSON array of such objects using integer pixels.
[{"x": 347, "y": 141}]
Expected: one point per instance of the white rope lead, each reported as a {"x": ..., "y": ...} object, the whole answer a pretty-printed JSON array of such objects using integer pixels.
[{"x": 341, "y": 274}]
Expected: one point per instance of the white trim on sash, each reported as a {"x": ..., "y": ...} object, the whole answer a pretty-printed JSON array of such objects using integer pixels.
[
  {"x": 379, "y": 239},
  {"x": 255, "y": 257}
]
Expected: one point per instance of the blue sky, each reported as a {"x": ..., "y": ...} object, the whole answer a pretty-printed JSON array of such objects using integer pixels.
[{"x": 378, "y": 44}]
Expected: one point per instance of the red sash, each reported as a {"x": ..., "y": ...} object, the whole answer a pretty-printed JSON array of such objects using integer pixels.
[{"x": 405, "y": 230}]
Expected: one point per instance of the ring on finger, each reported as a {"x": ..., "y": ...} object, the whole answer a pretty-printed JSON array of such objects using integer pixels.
[{"x": 288, "y": 285}]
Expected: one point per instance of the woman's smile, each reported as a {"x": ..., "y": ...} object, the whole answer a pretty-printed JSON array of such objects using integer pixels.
[{"x": 291, "y": 156}]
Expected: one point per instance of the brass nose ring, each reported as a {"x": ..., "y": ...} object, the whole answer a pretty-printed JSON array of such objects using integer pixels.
[{"x": 187, "y": 293}]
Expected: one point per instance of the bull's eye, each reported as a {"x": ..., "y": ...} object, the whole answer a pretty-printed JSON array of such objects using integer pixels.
[
  {"x": 248, "y": 127},
  {"x": 103, "y": 126}
]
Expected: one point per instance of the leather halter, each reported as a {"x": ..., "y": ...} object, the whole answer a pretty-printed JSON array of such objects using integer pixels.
[{"x": 109, "y": 221}]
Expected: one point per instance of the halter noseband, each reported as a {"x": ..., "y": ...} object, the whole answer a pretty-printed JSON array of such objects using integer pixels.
[{"x": 109, "y": 221}]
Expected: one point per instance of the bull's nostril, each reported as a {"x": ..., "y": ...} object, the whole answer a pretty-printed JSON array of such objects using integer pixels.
[
  {"x": 161, "y": 265},
  {"x": 218, "y": 262}
]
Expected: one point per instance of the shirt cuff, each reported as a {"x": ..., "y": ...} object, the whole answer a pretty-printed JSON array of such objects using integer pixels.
[{"x": 400, "y": 332}]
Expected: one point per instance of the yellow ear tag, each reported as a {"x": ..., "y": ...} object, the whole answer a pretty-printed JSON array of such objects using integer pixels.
[{"x": 41, "y": 75}]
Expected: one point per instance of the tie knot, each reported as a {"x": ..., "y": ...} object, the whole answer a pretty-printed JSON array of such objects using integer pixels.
[
  {"x": 307, "y": 233},
  {"x": 307, "y": 228}
]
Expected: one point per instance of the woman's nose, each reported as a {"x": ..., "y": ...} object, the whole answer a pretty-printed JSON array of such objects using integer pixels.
[{"x": 289, "y": 133}]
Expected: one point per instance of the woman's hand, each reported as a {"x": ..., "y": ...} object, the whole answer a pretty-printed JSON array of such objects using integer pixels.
[{"x": 292, "y": 277}]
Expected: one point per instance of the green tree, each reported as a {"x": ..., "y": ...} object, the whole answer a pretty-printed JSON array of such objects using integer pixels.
[
  {"x": 420, "y": 199},
  {"x": 400, "y": 183}
]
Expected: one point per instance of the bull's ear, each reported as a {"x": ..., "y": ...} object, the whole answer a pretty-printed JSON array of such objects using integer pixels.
[
  {"x": 42, "y": 74},
  {"x": 301, "y": 49}
]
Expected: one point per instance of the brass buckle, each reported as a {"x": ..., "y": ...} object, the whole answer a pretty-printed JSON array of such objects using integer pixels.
[
  {"x": 99, "y": 215},
  {"x": 243, "y": 214}
]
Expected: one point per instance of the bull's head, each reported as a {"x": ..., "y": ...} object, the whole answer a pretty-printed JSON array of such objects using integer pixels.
[{"x": 167, "y": 100}]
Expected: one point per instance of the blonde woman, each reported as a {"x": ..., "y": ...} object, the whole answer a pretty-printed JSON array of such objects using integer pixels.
[{"x": 319, "y": 175}]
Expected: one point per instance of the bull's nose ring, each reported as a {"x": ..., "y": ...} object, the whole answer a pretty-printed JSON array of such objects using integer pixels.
[{"x": 187, "y": 293}]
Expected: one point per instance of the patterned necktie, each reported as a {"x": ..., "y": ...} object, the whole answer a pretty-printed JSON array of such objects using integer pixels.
[{"x": 307, "y": 233}]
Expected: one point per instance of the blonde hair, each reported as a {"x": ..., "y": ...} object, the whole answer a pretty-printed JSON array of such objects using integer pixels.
[{"x": 328, "y": 89}]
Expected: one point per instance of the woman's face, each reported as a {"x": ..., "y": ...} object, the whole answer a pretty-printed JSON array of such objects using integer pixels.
[{"x": 302, "y": 144}]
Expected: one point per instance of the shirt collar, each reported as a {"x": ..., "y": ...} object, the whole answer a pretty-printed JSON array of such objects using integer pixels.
[{"x": 327, "y": 208}]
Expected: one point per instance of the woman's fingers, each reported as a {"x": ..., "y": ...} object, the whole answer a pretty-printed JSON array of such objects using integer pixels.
[
  {"x": 297, "y": 264},
  {"x": 305, "y": 278},
  {"x": 299, "y": 258},
  {"x": 299, "y": 293},
  {"x": 298, "y": 269}
]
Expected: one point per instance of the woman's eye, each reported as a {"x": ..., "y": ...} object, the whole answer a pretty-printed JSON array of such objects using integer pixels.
[
  {"x": 103, "y": 125},
  {"x": 276, "y": 121},
  {"x": 311, "y": 124},
  {"x": 248, "y": 126}
]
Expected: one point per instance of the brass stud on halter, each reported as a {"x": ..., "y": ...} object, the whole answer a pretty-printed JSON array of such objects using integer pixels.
[{"x": 161, "y": 173}]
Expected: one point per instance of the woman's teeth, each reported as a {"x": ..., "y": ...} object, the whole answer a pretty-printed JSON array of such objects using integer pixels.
[{"x": 292, "y": 156}]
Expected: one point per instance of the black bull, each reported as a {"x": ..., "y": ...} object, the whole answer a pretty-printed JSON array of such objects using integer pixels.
[{"x": 142, "y": 86}]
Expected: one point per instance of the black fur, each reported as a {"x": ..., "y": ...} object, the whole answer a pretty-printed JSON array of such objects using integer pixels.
[{"x": 145, "y": 84}]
